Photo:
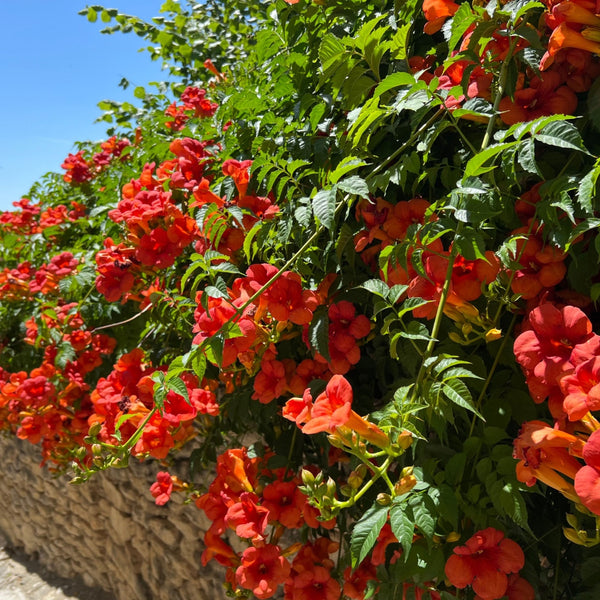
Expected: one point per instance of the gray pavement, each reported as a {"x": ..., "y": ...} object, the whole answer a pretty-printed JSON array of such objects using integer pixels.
[{"x": 24, "y": 579}]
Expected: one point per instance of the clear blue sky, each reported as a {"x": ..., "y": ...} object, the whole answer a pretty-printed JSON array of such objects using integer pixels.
[{"x": 55, "y": 66}]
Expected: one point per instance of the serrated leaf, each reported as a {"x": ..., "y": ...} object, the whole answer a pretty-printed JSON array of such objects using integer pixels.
[
  {"x": 215, "y": 292},
  {"x": 475, "y": 166},
  {"x": 318, "y": 333},
  {"x": 395, "y": 80},
  {"x": 377, "y": 287},
  {"x": 461, "y": 21},
  {"x": 396, "y": 292},
  {"x": 159, "y": 391},
  {"x": 424, "y": 512},
  {"x": 354, "y": 185},
  {"x": 347, "y": 165},
  {"x": 323, "y": 204},
  {"x": 214, "y": 346},
  {"x": 416, "y": 331},
  {"x": 456, "y": 391},
  {"x": 561, "y": 134},
  {"x": 199, "y": 365},
  {"x": 410, "y": 304},
  {"x": 176, "y": 385},
  {"x": 586, "y": 193},
  {"x": 122, "y": 419},
  {"x": 365, "y": 532},
  {"x": 526, "y": 157},
  {"x": 403, "y": 526}
]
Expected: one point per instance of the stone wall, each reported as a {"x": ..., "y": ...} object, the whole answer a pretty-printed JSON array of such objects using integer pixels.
[{"x": 107, "y": 531}]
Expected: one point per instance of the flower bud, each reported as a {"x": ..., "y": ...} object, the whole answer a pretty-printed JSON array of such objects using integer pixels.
[
  {"x": 347, "y": 490},
  {"x": 383, "y": 499},
  {"x": 96, "y": 449},
  {"x": 308, "y": 479},
  {"x": 335, "y": 440},
  {"x": 405, "y": 485},
  {"x": 357, "y": 476},
  {"x": 492, "y": 335},
  {"x": 81, "y": 452},
  {"x": 454, "y": 337},
  {"x": 95, "y": 429},
  {"x": 453, "y": 536},
  {"x": 405, "y": 439},
  {"x": 331, "y": 487}
]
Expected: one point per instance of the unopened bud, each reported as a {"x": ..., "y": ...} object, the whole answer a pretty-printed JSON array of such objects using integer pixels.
[
  {"x": 335, "y": 440},
  {"x": 95, "y": 429},
  {"x": 98, "y": 462},
  {"x": 356, "y": 478},
  {"x": 405, "y": 439},
  {"x": 405, "y": 485},
  {"x": 453, "y": 536},
  {"x": 383, "y": 499},
  {"x": 347, "y": 490},
  {"x": 492, "y": 335},
  {"x": 308, "y": 479},
  {"x": 118, "y": 463},
  {"x": 454, "y": 337},
  {"x": 331, "y": 487},
  {"x": 466, "y": 329},
  {"x": 96, "y": 449},
  {"x": 577, "y": 537}
]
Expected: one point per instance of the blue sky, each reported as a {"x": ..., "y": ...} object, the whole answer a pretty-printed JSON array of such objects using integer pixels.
[{"x": 55, "y": 66}]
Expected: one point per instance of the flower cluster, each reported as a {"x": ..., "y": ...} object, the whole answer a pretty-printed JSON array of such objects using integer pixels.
[{"x": 80, "y": 169}]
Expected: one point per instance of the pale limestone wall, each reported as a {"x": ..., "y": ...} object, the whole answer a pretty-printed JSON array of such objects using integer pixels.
[{"x": 107, "y": 531}]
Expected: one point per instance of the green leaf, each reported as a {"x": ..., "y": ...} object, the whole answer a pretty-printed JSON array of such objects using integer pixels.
[
  {"x": 323, "y": 204},
  {"x": 159, "y": 391},
  {"x": 318, "y": 332},
  {"x": 416, "y": 330},
  {"x": 475, "y": 166},
  {"x": 347, "y": 165},
  {"x": 461, "y": 21},
  {"x": 214, "y": 348},
  {"x": 199, "y": 365},
  {"x": 139, "y": 92},
  {"x": 365, "y": 532},
  {"x": 176, "y": 385},
  {"x": 424, "y": 511},
  {"x": 586, "y": 193},
  {"x": 377, "y": 287},
  {"x": 354, "y": 185},
  {"x": 92, "y": 15},
  {"x": 517, "y": 8},
  {"x": 410, "y": 304},
  {"x": 403, "y": 526},
  {"x": 526, "y": 157},
  {"x": 395, "y": 80},
  {"x": 456, "y": 391},
  {"x": 562, "y": 135}
]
